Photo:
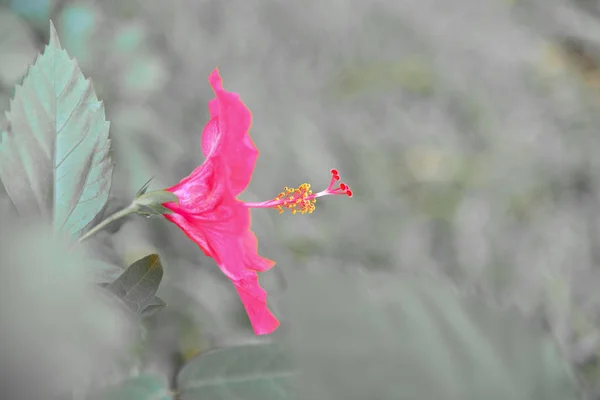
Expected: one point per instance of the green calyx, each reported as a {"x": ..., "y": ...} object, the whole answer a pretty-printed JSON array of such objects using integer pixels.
[
  {"x": 146, "y": 204},
  {"x": 151, "y": 203}
]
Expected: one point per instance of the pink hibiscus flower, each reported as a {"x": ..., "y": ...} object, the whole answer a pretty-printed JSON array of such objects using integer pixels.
[{"x": 210, "y": 213}]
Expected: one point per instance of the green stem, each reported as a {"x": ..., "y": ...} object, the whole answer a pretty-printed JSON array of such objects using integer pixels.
[{"x": 132, "y": 209}]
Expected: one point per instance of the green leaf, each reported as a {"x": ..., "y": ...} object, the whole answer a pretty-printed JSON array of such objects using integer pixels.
[
  {"x": 358, "y": 336},
  {"x": 54, "y": 157},
  {"x": 251, "y": 372},
  {"x": 138, "y": 285},
  {"x": 153, "y": 307},
  {"x": 143, "y": 387}
]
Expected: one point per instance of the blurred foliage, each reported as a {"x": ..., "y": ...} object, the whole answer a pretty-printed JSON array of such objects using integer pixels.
[
  {"x": 410, "y": 74},
  {"x": 468, "y": 133},
  {"x": 61, "y": 335},
  {"x": 253, "y": 372},
  {"x": 143, "y": 387},
  {"x": 16, "y": 41},
  {"x": 371, "y": 336}
]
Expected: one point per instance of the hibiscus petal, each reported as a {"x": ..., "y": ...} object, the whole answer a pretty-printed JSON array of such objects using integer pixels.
[
  {"x": 234, "y": 247},
  {"x": 227, "y": 137},
  {"x": 225, "y": 225},
  {"x": 253, "y": 260},
  {"x": 202, "y": 192},
  {"x": 191, "y": 231},
  {"x": 238, "y": 258},
  {"x": 211, "y": 132},
  {"x": 254, "y": 299}
]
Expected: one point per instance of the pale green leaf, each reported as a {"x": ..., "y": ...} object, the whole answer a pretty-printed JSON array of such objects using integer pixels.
[
  {"x": 143, "y": 387},
  {"x": 138, "y": 285},
  {"x": 251, "y": 372},
  {"x": 54, "y": 157}
]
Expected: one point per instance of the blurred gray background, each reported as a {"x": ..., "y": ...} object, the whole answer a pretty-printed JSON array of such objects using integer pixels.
[{"x": 468, "y": 131}]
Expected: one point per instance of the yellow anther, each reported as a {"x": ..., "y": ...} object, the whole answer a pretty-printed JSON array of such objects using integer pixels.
[{"x": 297, "y": 200}]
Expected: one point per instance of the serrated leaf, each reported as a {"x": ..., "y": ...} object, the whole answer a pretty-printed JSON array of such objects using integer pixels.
[
  {"x": 358, "y": 337},
  {"x": 54, "y": 158},
  {"x": 153, "y": 307},
  {"x": 138, "y": 285},
  {"x": 143, "y": 387},
  {"x": 251, "y": 372}
]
